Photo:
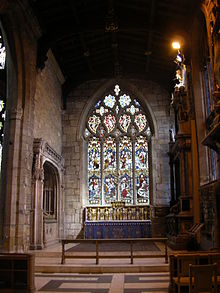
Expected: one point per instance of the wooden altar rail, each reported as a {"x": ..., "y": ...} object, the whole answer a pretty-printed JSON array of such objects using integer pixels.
[{"x": 97, "y": 256}]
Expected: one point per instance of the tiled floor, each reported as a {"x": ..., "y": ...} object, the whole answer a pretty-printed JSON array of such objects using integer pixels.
[{"x": 103, "y": 283}]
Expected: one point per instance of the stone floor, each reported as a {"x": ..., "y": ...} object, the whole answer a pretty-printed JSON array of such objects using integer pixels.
[
  {"x": 103, "y": 283},
  {"x": 110, "y": 275}
]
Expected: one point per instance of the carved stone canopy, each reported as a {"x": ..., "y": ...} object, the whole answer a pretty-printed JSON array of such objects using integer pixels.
[{"x": 44, "y": 152}]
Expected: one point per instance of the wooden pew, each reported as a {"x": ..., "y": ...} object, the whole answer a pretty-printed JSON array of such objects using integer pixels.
[
  {"x": 215, "y": 258},
  {"x": 179, "y": 267},
  {"x": 16, "y": 273}
]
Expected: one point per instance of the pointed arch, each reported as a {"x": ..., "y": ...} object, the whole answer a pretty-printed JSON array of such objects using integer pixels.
[{"x": 108, "y": 180}]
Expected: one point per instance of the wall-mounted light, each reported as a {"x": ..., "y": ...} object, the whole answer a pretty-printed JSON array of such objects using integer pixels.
[
  {"x": 181, "y": 68},
  {"x": 176, "y": 45}
]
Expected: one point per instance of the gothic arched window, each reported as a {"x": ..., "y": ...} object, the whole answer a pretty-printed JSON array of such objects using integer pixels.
[{"x": 118, "y": 135}]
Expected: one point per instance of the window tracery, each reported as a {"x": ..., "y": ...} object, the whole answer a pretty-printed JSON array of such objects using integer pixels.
[{"x": 118, "y": 136}]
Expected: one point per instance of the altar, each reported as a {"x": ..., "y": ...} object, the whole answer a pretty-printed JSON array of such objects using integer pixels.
[
  {"x": 117, "y": 221},
  {"x": 117, "y": 229}
]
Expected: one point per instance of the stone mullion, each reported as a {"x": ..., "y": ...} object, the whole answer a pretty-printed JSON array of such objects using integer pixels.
[
  {"x": 134, "y": 173},
  {"x": 37, "y": 204},
  {"x": 117, "y": 168},
  {"x": 102, "y": 174}
]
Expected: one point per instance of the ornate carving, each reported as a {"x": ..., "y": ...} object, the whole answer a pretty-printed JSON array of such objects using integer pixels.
[
  {"x": 38, "y": 171},
  {"x": 118, "y": 212}
]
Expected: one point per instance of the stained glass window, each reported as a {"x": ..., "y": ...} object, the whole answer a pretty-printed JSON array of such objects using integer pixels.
[
  {"x": 118, "y": 136},
  {"x": 2, "y": 53},
  {"x": 2, "y": 100},
  {"x": 142, "y": 170},
  {"x": 94, "y": 171},
  {"x": 125, "y": 170},
  {"x": 2, "y": 119},
  {"x": 109, "y": 170}
]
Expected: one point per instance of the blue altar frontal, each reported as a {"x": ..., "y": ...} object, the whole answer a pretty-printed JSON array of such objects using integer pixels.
[{"x": 117, "y": 229}]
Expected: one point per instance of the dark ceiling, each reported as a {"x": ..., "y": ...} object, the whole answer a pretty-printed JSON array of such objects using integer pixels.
[{"x": 113, "y": 38}]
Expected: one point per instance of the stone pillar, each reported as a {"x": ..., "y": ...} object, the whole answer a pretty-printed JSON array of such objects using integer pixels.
[{"x": 37, "y": 204}]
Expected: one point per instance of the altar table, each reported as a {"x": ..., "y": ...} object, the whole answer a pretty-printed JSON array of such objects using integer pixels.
[{"x": 117, "y": 229}]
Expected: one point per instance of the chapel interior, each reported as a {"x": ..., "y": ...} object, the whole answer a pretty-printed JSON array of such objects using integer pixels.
[{"x": 109, "y": 122}]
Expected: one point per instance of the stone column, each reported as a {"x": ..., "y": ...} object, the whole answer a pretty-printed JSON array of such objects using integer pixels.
[{"x": 37, "y": 204}]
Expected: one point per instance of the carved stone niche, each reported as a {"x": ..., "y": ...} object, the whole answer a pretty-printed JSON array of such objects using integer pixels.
[{"x": 44, "y": 153}]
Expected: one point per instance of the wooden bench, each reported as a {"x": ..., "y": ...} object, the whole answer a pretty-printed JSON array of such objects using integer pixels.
[
  {"x": 179, "y": 267},
  {"x": 16, "y": 272},
  {"x": 192, "y": 236},
  {"x": 97, "y": 255},
  {"x": 203, "y": 278}
]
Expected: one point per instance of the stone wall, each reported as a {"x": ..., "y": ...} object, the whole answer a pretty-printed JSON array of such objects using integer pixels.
[
  {"x": 47, "y": 110},
  {"x": 74, "y": 150}
]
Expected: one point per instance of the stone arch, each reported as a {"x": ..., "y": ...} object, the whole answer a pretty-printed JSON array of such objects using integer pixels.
[
  {"x": 20, "y": 35},
  {"x": 105, "y": 87}
]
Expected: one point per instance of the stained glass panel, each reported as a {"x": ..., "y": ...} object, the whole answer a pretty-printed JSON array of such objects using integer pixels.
[
  {"x": 109, "y": 154},
  {"x": 117, "y": 89},
  {"x": 142, "y": 172},
  {"x": 94, "y": 190},
  {"x": 94, "y": 171},
  {"x": 94, "y": 122},
  {"x": 137, "y": 103},
  {"x": 125, "y": 187},
  {"x": 110, "y": 186},
  {"x": 110, "y": 122},
  {"x": 141, "y": 121},
  {"x": 2, "y": 120},
  {"x": 98, "y": 104},
  {"x": 124, "y": 101},
  {"x": 125, "y": 121},
  {"x": 148, "y": 131},
  {"x": 125, "y": 170},
  {"x": 142, "y": 188},
  {"x": 132, "y": 110},
  {"x": 110, "y": 101},
  {"x": 141, "y": 153},
  {"x": 94, "y": 154},
  {"x": 102, "y": 131},
  {"x": 101, "y": 111},
  {"x": 86, "y": 133},
  {"x": 2, "y": 54}
]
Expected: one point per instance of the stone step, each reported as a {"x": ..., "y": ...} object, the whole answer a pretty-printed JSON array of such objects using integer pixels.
[{"x": 100, "y": 269}]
